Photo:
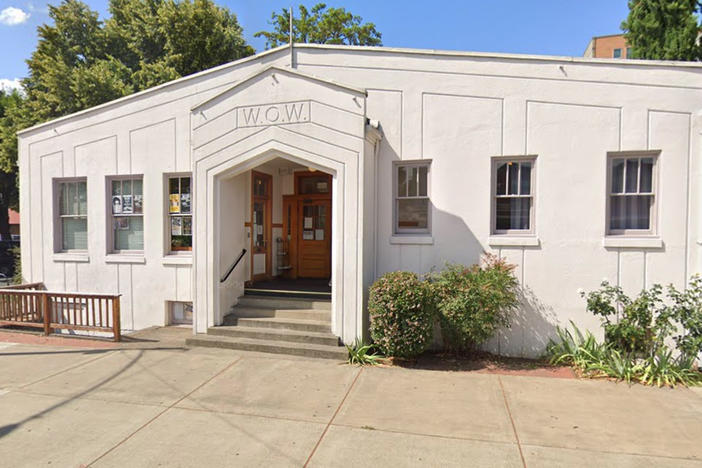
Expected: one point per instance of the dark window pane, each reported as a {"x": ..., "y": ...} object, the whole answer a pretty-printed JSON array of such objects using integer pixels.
[
  {"x": 173, "y": 185},
  {"x": 646, "y": 175},
  {"x": 512, "y": 213},
  {"x": 630, "y": 212},
  {"x": 423, "y": 181},
  {"x": 618, "y": 176},
  {"x": 401, "y": 181},
  {"x": 501, "y": 182},
  {"x": 513, "y": 178},
  {"x": 314, "y": 184},
  {"x": 526, "y": 179},
  {"x": 412, "y": 181},
  {"x": 185, "y": 185},
  {"x": 413, "y": 214},
  {"x": 632, "y": 175}
]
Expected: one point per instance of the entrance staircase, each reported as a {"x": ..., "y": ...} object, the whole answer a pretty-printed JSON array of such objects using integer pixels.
[{"x": 279, "y": 325}]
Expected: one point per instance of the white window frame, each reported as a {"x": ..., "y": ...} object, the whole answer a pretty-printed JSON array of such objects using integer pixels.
[
  {"x": 395, "y": 197},
  {"x": 653, "y": 226},
  {"x": 496, "y": 161},
  {"x": 168, "y": 215},
  {"x": 58, "y": 224},
  {"x": 111, "y": 216}
]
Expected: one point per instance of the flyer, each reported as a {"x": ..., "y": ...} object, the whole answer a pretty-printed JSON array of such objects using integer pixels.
[
  {"x": 127, "y": 204},
  {"x": 174, "y": 203},
  {"x": 176, "y": 226}
]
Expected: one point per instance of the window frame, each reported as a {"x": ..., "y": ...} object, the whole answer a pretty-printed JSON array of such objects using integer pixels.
[
  {"x": 652, "y": 230},
  {"x": 58, "y": 217},
  {"x": 168, "y": 215},
  {"x": 615, "y": 51},
  {"x": 396, "y": 165},
  {"x": 495, "y": 162},
  {"x": 111, "y": 250}
]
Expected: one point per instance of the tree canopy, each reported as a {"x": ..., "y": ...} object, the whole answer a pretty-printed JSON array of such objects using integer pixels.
[
  {"x": 81, "y": 61},
  {"x": 320, "y": 25},
  {"x": 663, "y": 29}
]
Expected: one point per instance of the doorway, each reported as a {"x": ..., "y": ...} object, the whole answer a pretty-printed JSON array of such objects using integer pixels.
[
  {"x": 307, "y": 227},
  {"x": 261, "y": 225}
]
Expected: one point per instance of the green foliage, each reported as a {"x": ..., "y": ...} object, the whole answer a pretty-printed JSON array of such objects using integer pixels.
[
  {"x": 320, "y": 25},
  {"x": 401, "y": 314},
  {"x": 687, "y": 307},
  {"x": 474, "y": 302},
  {"x": 596, "y": 359},
  {"x": 362, "y": 354},
  {"x": 80, "y": 62},
  {"x": 663, "y": 29},
  {"x": 17, "y": 277}
]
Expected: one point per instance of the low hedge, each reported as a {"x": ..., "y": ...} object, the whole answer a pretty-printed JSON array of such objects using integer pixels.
[{"x": 401, "y": 314}]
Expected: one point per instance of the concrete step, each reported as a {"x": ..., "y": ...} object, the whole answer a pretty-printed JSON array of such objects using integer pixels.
[
  {"x": 297, "y": 314},
  {"x": 286, "y": 303},
  {"x": 275, "y": 334},
  {"x": 315, "y": 326},
  {"x": 338, "y": 353}
]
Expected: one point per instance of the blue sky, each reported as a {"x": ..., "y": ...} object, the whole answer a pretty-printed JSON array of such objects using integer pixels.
[{"x": 551, "y": 27}]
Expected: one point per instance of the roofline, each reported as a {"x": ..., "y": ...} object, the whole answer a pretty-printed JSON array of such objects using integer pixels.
[
  {"x": 288, "y": 71},
  {"x": 128, "y": 97},
  {"x": 607, "y": 35},
  {"x": 376, "y": 49}
]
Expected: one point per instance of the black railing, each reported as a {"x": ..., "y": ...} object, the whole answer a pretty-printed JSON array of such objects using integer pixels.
[{"x": 233, "y": 265}]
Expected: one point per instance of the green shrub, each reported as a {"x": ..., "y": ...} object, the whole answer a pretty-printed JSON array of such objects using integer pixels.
[
  {"x": 401, "y": 314},
  {"x": 687, "y": 311},
  {"x": 474, "y": 302},
  {"x": 362, "y": 354},
  {"x": 596, "y": 359}
]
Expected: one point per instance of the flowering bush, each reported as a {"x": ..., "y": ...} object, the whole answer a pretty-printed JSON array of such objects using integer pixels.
[
  {"x": 474, "y": 302},
  {"x": 401, "y": 315}
]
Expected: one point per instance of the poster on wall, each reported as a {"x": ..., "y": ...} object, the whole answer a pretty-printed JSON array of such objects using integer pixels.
[
  {"x": 176, "y": 226},
  {"x": 127, "y": 204},
  {"x": 187, "y": 226},
  {"x": 185, "y": 203},
  {"x": 116, "y": 204},
  {"x": 138, "y": 203},
  {"x": 174, "y": 203}
]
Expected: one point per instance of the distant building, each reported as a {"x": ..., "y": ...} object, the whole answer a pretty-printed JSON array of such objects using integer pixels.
[
  {"x": 14, "y": 221},
  {"x": 612, "y": 46}
]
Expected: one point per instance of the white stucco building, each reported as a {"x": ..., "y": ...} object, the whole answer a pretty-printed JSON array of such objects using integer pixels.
[{"x": 343, "y": 163}]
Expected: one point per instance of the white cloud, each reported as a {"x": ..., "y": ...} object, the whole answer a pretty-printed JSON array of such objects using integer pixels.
[
  {"x": 12, "y": 16},
  {"x": 9, "y": 85}
]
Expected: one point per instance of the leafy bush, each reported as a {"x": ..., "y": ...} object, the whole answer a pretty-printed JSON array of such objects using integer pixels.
[
  {"x": 474, "y": 302},
  {"x": 596, "y": 359},
  {"x": 401, "y": 314},
  {"x": 687, "y": 306},
  {"x": 362, "y": 354}
]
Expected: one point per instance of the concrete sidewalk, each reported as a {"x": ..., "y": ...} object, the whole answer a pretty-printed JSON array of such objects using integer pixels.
[{"x": 155, "y": 403}]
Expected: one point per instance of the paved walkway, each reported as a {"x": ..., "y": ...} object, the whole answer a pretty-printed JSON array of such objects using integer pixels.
[{"x": 154, "y": 403}]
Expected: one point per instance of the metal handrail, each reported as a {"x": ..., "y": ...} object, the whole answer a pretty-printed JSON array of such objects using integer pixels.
[{"x": 233, "y": 265}]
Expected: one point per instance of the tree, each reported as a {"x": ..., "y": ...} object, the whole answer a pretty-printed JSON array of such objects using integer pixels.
[
  {"x": 320, "y": 26},
  {"x": 80, "y": 62},
  {"x": 663, "y": 29}
]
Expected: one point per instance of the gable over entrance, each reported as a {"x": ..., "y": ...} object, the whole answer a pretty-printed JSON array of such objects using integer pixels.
[{"x": 279, "y": 113}]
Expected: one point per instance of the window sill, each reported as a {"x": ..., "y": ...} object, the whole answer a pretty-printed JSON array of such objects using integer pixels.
[
  {"x": 513, "y": 241},
  {"x": 71, "y": 257},
  {"x": 633, "y": 242},
  {"x": 412, "y": 240},
  {"x": 176, "y": 259},
  {"x": 125, "y": 258}
]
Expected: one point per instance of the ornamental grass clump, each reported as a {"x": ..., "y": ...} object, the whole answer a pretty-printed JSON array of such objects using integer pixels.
[
  {"x": 401, "y": 314},
  {"x": 474, "y": 302}
]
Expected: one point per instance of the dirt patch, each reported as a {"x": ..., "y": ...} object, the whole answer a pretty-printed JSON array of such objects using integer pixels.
[{"x": 485, "y": 363}]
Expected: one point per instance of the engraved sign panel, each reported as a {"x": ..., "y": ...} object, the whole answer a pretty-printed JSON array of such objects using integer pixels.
[{"x": 274, "y": 114}]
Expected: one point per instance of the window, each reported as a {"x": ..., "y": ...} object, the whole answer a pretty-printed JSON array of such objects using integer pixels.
[
  {"x": 628, "y": 53},
  {"x": 412, "y": 197},
  {"x": 513, "y": 199},
  {"x": 631, "y": 195},
  {"x": 617, "y": 53},
  {"x": 180, "y": 213},
  {"x": 73, "y": 215},
  {"x": 127, "y": 214}
]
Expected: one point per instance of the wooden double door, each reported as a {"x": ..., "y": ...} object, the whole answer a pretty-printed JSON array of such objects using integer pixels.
[{"x": 307, "y": 231}]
